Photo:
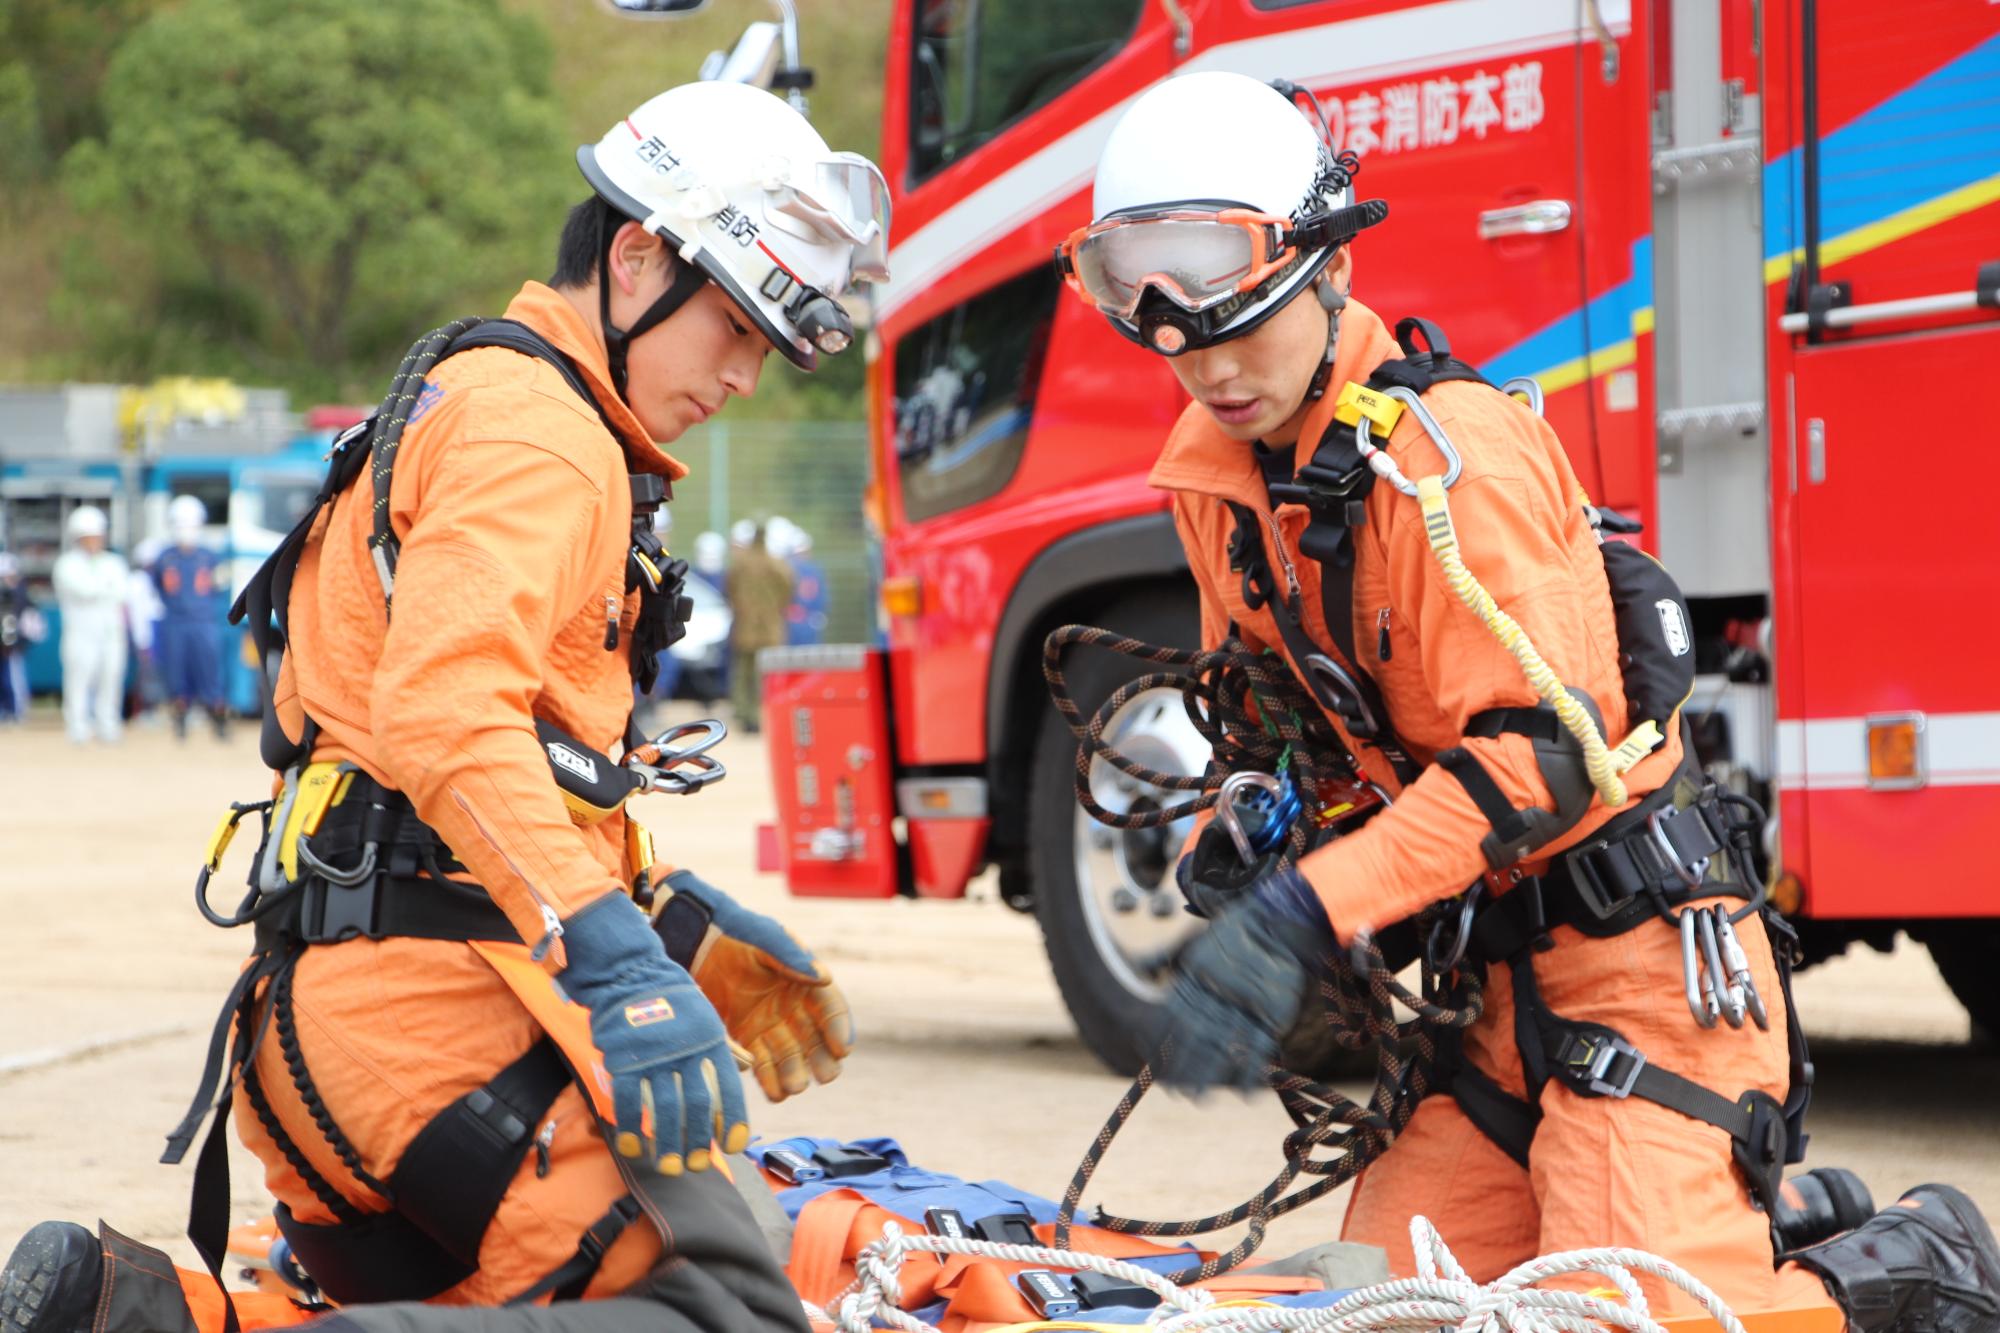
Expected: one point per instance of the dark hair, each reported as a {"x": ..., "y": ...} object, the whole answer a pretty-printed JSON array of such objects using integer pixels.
[
  {"x": 590, "y": 225},
  {"x": 578, "y": 251}
]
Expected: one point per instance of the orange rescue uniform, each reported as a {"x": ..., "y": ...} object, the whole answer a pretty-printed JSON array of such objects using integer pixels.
[
  {"x": 513, "y": 508},
  {"x": 1602, "y": 1171}
]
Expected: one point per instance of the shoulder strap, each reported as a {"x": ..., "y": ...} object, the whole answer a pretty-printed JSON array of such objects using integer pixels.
[
  {"x": 387, "y": 439},
  {"x": 266, "y": 599},
  {"x": 1334, "y": 485},
  {"x": 1351, "y": 696}
]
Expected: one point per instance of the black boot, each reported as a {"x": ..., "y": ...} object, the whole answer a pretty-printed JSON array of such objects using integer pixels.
[
  {"x": 1819, "y": 1205},
  {"x": 1927, "y": 1265},
  {"x": 51, "y": 1282}
]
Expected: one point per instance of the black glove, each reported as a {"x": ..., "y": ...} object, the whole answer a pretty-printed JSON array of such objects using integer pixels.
[
  {"x": 1241, "y": 986},
  {"x": 1214, "y": 873}
]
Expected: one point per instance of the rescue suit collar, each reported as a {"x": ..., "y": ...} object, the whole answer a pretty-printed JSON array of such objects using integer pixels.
[
  {"x": 549, "y": 313},
  {"x": 1200, "y": 459}
]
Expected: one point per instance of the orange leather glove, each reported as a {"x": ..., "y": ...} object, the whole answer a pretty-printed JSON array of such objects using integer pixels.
[{"x": 777, "y": 1002}]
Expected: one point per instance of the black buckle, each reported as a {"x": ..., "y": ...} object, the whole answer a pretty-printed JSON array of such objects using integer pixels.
[
  {"x": 1340, "y": 497},
  {"x": 336, "y": 912},
  {"x": 1601, "y": 898},
  {"x": 1586, "y": 1059}
]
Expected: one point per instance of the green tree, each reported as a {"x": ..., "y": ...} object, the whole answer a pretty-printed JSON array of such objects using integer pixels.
[{"x": 289, "y": 189}]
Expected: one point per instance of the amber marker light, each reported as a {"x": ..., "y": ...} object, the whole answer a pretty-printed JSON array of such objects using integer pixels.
[
  {"x": 1896, "y": 751},
  {"x": 902, "y": 596}
]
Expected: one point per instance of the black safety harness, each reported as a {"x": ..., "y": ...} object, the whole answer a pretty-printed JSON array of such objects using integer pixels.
[
  {"x": 371, "y": 869},
  {"x": 1677, "y": 844}
]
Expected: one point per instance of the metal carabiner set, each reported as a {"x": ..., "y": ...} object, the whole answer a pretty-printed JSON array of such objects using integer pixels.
[{"x": 1715, "y": 969}]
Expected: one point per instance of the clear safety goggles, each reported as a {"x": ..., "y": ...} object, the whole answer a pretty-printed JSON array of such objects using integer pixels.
[
  {"x": 843, "y": 197},
  {"x": 1197, "y": 258}
]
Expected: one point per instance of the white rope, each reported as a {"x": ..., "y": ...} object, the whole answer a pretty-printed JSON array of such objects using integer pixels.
[{"x": 1442, "y": 1295}]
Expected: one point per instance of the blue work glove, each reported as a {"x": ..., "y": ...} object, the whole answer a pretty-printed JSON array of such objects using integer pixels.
[
  {"x": 1241, "y": 986},
  {"x": 777, "y": 1002},
  {"x": 674, "y": 1087}
]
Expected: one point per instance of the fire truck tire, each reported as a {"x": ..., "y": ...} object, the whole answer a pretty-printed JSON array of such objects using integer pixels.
[
  {"x": 1099, "y": 931},
  {"x": 1964, "y": 958}
]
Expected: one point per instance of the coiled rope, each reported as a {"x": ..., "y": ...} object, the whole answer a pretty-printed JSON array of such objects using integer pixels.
[
  {"x": 1442, "y": 1295},
  {"x": 1258, "y": 716}
]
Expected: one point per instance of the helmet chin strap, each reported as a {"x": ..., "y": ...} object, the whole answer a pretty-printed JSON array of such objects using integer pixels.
[
  {"x": 688, "y": 280},
  {"x": 1333, "y": 301}
]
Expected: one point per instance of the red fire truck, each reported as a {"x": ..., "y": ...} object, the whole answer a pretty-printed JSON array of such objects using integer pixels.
[{"x": 1751, "y": 250}]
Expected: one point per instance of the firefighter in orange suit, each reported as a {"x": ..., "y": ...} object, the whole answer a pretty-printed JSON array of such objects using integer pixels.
[
  {"x": 1221, "y": 239},
  {"x": 476, "y": 1073}
]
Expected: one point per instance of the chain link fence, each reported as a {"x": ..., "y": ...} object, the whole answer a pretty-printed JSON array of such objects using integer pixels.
[{"x": 811, "y": 472}]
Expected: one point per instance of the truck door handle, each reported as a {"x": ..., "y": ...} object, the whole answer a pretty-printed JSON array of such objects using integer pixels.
[{"x": 1537, "y": 218}]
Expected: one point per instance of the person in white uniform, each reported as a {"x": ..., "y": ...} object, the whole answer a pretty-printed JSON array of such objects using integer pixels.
[{"x": 92, "y": 587}]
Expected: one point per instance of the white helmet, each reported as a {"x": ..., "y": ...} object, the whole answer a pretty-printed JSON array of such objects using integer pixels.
[
  {"x": 711, "y": 552},
  {"x": 86, "y": 521},
  {"x": 785, "y": 539},
  {"x": 756, "y": 202},
  {"x": 186, "y": 515},
  {"x": 743, "y": 532},
  {"x": 1216, "y": 202}
]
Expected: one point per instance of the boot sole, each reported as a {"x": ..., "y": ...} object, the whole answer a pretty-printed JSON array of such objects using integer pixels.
[{"x": 33, "y": 1281}]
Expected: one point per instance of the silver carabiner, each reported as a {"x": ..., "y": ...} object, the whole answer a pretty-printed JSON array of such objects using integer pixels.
[
  {"x": 1453, "y": 464},
  {"x": 1715, "y": 983},
  {"x": 1528, "y": 389},
  {"x": 711, "y": 730},
  {"x": 1738, "y": 962},
  {"x": 1226, "y": 812},
  {"x": 669, "y": 771},
  {"x": 1691, "y": 973}
]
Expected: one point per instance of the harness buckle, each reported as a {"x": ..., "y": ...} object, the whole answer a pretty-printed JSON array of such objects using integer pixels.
[
  {"x": 1599, "y": 897},
  {"x": 1342, "y": 693},
  {"x": 1340, "y": 496},
  {"x": 1586, "y": 1059},
  {"x": 334, "y": 911},
  {"x": 1690, "y": 873}
]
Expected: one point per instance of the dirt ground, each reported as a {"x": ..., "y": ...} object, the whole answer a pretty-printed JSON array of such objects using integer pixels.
[{"x": 966, "y": 1054}]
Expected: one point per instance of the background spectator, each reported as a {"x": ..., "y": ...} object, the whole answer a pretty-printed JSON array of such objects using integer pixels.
[{"x": 92, "y": 587}]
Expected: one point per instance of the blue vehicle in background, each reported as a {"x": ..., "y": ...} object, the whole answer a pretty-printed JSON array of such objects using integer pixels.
[{"x": 252, "y": 501}]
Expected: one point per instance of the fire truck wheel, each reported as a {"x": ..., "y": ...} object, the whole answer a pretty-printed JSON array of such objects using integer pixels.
[
  {"x": 1110, "y": 911},
  {"x": 1964, "y": 958}
]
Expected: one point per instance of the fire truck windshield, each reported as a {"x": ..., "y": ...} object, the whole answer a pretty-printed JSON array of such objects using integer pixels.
[{"x": 982, "y": 64}]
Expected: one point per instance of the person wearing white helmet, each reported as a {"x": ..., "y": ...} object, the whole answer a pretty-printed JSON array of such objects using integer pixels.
[
  {"x": 805, "y": 618},
  {"x": 91, "y": 590},
  {"x": 188, "y": 577},
  {"x": 442, "y": 1126},
  {"x": 1221, "y": 238}
]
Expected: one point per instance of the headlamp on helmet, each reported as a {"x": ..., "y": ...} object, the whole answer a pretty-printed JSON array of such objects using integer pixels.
[{"x": 820, "y": 320}]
